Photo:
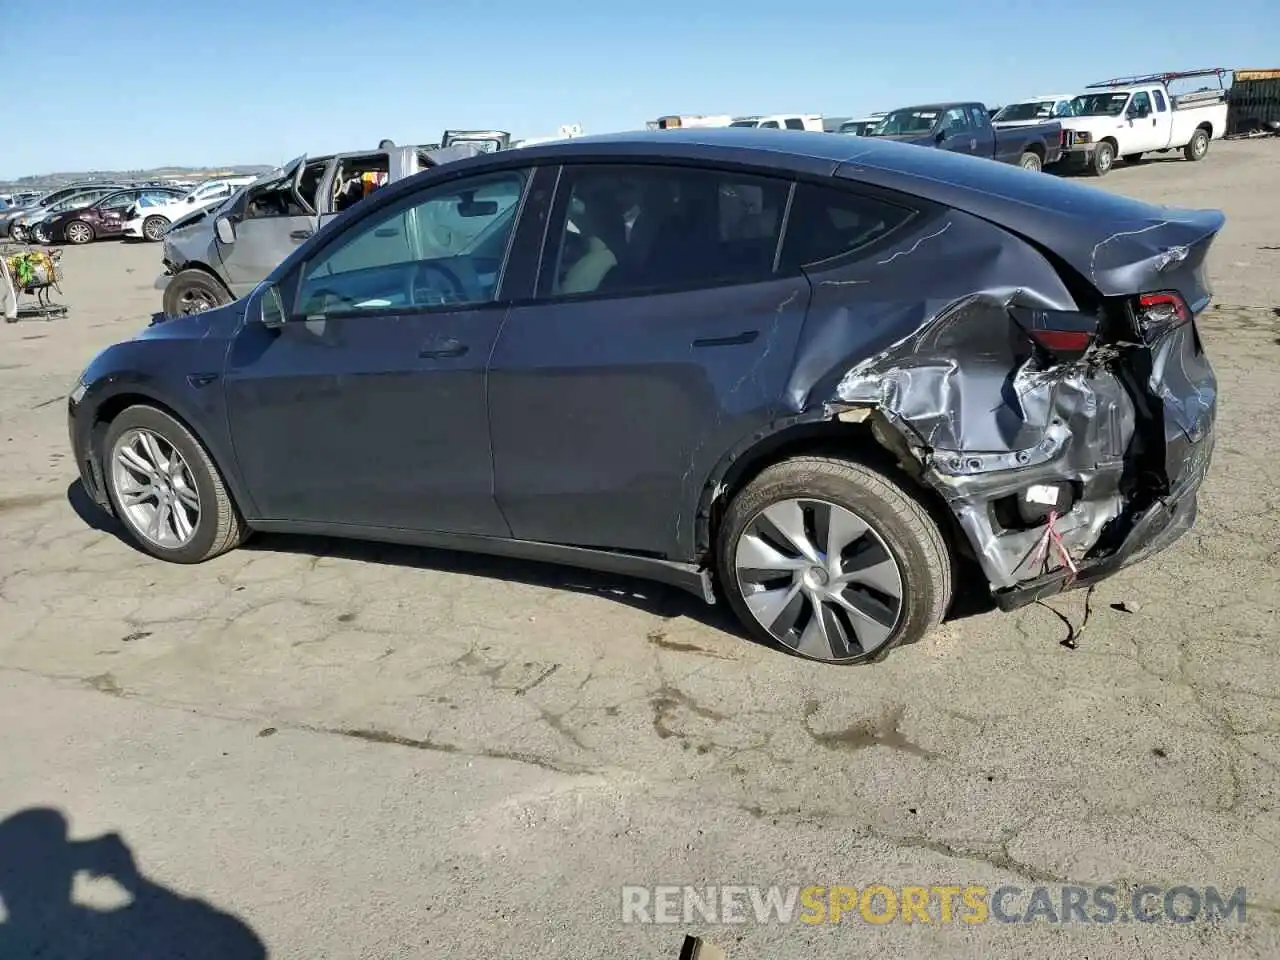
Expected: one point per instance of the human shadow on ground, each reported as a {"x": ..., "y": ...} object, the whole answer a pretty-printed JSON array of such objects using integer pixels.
[{"x": 38, "y": 865}]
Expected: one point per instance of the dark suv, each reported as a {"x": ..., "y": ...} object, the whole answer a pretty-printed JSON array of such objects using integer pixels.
[{"x": 808, "y": 374}]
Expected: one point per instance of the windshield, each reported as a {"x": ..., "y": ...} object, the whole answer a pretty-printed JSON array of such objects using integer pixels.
[
  {"x": 1099, "y": 104},
  {"x": 905, "y": 121},
  {"x": 1031, "y": 110},
  {"x": 857, "y": 128}
]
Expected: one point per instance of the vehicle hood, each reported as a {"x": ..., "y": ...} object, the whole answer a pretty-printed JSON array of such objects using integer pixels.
[
  {"x": 220, "y": 323},
  {"x": 1088, "y": 123}
]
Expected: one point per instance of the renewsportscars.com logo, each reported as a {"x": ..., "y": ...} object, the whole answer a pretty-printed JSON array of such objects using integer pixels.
[{"x": 880, "y": 903}]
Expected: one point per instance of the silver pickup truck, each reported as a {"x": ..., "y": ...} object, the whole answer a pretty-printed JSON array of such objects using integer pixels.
[{"x": 219, "y": 254}]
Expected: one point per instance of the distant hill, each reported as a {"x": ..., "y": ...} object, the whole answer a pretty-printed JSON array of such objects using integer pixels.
[{"x": 45, "y": 181}]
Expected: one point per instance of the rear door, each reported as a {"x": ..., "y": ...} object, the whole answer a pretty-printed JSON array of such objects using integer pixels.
[{"x": 661, "y": 335}]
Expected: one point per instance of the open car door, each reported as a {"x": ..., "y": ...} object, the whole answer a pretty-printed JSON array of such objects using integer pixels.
[{"x": 269, "y": 219}]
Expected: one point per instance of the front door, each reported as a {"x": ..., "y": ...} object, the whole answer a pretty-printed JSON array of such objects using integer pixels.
[
  {"x": 660, "y": 336},
  {"x": 958, "y": 133},
  {"x": 368, "y": 407},
  {"x": 271, "y": 221},
  {"x": 112, "y": 211},
  {"x": 1145, "y": 130}
]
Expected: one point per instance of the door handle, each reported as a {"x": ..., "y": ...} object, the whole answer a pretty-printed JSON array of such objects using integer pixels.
[
  {"x": 300, "y": 235},
  {"x": 443, "y": 350},
  {"x": 746, "y": 336}
]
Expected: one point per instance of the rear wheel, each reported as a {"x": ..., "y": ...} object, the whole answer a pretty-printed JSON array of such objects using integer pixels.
[
  {"x": 193, "y": 291},
  {"x": 1198, "y": 146},
  {"x": 153, "y": 228},
  {"x": 77, "y": 232},
  {"x": 832, "y": 561},
  {"x": 166, "y": 489},
  {"x": 1031, "y": 161},
  {"x": 40, "y": 233},
  {"x": 1104, "y": 157}
]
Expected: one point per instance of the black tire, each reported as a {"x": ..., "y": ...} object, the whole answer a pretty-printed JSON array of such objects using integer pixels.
[
  {"x": 910, "y": 533},
  {"x": 1030, "y": 160},
  {"x": 78, "y": 232},
  {"x": 194, "y": 291},
  {"x": 158, "y": 225},
  {"x": 1104, "y": 157},
  {"x": 1133, "y": 157},
  {"x": 40, "y": 234},
  {"x": 1198, "y": 146},
  {"x": 220, "y": 526}
]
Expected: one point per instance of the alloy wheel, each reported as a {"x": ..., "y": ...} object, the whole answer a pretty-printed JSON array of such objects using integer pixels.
[
  {"x": 79, "y": 233},
  {"x": 155, "y": 488},
  {"x": 195, "y": 301},
  {"x": 154, "y": 228},
  {"x": 819, "y": 579}
]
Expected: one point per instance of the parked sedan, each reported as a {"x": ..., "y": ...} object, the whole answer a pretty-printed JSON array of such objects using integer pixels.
[
  {"x": 103, "y": 218},
  {"x": 808, "y": 374}
]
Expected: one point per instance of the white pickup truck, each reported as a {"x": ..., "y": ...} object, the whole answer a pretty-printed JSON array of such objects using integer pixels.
[{"x": 1132, "y": 116}]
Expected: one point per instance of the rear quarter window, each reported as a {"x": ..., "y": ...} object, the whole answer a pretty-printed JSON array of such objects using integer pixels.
[{"x": 828, "y": 222}]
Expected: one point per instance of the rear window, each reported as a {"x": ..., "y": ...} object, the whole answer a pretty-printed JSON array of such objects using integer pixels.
[{"x": 830, "y": 222}]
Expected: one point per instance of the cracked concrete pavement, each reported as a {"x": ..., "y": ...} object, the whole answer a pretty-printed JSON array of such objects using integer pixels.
[{"x": 377, "y": 751}]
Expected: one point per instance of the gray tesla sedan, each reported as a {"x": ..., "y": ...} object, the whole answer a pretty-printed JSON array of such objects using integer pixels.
[{"x": 807, "y": 375}]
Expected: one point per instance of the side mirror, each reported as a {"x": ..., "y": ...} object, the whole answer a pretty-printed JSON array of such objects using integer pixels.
[
  {"x": 271, "y": 307},
  {"x": 225, "y": 229},
  {"x": 940, "y": 136}
]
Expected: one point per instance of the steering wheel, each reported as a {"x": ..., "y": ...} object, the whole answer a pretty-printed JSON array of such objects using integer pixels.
[{"x": 459, "y": 292}]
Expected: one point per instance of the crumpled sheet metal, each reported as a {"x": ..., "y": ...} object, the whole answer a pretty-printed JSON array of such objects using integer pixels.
[{"x": 985, "y": 421}]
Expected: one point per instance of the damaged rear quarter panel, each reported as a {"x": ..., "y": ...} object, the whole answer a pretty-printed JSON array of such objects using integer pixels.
[{"x": 905, "y": 334}]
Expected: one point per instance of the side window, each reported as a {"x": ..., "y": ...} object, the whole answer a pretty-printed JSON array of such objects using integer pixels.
[
  {"x": 645, "y": 229},
  {"x": 978, "y": 117},
  {"x": 309, "y": 185},
  {"x": 444, "y": 248},
  {"x": 1160, "y": 104},
  {"x": 120, "y": 200},
  {"x": 769, "y": 125},
  {"x": 955, "y": 120},
  {"x": 356, "y": 178},
  {"x": 794, "y": 123},
  {"x": 1062, "y": 108},
  {"x": 1141, "y": 102},
  {"x": 828, "y": 222}
]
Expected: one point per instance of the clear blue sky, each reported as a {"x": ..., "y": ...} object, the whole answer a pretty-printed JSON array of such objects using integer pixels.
[{"x": 141, "y": 83}]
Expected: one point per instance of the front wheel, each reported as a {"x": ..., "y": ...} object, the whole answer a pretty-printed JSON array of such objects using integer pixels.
[
  {"x": 166, "y": 489},
  {"x": 1104, "y": 157},
  {"x": 40, "y": 234},
  {"x": 832, "y": 561},
  {"x": 78, "y": 232},
  {"x": 193, "y": 291},
  {"x": 1198, "y": 147},
  {"x": 153, "y": 228},
  {"x": 1031, "y": 161}
]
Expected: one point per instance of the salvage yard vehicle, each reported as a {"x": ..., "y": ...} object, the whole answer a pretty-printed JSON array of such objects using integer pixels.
[
  {"x": 966, "y": 128},
  {"x": 1024, "y": 113},
  {"x": 861, "y": 126},
  {"x": 1132, "y": 116},
  {"x": 150, "y": 221},
  {"x": 13, "y": 221},
  {"x": 100, "y": 219},
  {"x": 210, "y": 260},
  {"x": 781, "y": 121},
  {"x": 30, "y": 224},
  {"x": 635, "y": 362},
  {"x": 682, "y": 121}
]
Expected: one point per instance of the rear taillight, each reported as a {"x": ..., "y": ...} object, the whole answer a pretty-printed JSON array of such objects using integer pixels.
[
  {"x": 1064, "y": 335},
  {"x": 1159, "y": 312}
]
